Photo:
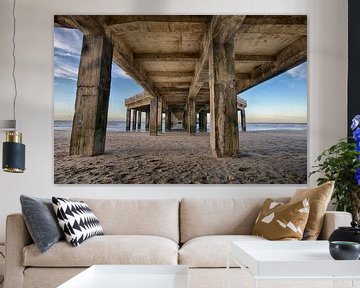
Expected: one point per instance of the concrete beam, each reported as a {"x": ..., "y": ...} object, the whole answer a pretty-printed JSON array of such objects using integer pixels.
[
  {"x": 163, "y": 57},
  {"x": 289, "y": 57}
]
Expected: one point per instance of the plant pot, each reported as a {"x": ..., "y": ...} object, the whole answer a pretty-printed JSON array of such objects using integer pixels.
[{"x": 350, "y": 234}]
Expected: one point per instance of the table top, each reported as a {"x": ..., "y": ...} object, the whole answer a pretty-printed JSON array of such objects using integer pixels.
[
  {"x": 291, "y": 259},
  {"x": 131, "y": 276}
]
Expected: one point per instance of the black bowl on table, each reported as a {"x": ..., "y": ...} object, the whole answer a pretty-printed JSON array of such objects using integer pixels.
[{"x": 344, "y": 250}]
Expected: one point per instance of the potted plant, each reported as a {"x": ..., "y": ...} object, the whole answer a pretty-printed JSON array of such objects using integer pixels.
[{"x": 341, "y": 163}]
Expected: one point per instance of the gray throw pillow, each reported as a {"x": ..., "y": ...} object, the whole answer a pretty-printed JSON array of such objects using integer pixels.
[{"x": 41, "y": 221}]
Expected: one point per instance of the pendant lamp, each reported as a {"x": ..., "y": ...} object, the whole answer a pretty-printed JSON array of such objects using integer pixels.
[{"x": 13, "y": 149}]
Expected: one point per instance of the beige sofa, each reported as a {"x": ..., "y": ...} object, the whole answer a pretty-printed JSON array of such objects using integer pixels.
[{"x": 194, "y": 232}]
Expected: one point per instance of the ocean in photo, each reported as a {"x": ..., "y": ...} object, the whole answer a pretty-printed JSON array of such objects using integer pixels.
[{"x": 119, "y": 126}]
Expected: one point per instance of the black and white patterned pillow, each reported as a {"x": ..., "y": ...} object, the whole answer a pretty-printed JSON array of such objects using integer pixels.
[{"x": 77, "y": 220}]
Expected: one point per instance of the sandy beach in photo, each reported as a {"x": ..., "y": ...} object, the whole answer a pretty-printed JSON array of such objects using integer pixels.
[{"x": 265, "y": 157}]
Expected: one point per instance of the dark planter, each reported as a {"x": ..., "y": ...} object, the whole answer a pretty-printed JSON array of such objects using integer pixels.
[{"x": 351, "y": 234}]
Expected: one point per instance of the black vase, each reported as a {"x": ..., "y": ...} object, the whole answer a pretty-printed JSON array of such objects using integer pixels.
[{"x": 350, "y": 234}]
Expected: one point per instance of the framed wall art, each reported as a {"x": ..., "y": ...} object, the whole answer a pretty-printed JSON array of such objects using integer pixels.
[{"x": 180, "y": 99}]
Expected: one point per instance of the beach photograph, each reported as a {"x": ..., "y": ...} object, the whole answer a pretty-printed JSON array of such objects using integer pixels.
[{"x": 180, "y": 99}]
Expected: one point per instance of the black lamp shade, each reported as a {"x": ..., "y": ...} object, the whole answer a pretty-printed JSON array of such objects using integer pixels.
[{"x": 13, "y": 157}]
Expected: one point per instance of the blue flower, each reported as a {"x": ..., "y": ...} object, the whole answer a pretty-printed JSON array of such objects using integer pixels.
[
  {"x": 357, "y": 176},
  {"x": 355, "y": 122},
  {"x": 356, "y": 134},
  {"x": 355, "y": 126}
]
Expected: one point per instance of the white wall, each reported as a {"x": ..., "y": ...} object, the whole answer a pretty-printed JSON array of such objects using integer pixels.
[{"x": 327, "y": 89}]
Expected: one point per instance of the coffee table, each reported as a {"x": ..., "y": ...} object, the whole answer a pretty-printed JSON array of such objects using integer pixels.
[
  {"x": 293, "y": 260},
  {"x": 131, "y": 276}
]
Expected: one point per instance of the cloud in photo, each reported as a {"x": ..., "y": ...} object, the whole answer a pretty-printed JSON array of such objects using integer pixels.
[
  {"x": 298, "y": 72},
  {"x": 67, "y": 51},
  {"x": 67, "y": 42},
  {"x": 65, "y": 70},
  {"x": 117, "y": 72}
]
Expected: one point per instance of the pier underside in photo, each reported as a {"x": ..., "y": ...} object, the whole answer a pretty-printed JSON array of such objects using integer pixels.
[{"x": 189, "y": 67}]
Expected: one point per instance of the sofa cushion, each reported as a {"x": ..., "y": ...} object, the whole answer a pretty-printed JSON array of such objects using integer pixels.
[
  {"x": 35, "y": 277},
  {"x": 108, "y": 249},
  {"x": 279, "y": 221},
  {"x": 41, "y": 221},
  {"x": 76, "y": 220},
  {"x": 201, "y": 217},
  {"x": 211, "y": 251},
  {"x": 157, "y": 217},
  {"x": 319, "y": 198}
]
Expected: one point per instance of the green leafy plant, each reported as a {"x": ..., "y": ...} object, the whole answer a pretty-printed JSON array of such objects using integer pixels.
[{"x": 341, "y": 163}]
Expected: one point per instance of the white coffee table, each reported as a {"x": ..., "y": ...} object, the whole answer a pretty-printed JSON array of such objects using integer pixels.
[
  {"x": 131, "y": 276},
  {"x": 293, "y": 260}
]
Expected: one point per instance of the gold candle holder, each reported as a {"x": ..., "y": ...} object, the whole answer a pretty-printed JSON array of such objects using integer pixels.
[{"x": 14, "y": 136}]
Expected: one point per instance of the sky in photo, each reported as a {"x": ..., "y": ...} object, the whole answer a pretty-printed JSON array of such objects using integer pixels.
[{"x": 282, "y": 99}]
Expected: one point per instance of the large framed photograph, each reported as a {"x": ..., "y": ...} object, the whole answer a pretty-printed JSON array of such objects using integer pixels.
[{"x": 180, "y": 99}]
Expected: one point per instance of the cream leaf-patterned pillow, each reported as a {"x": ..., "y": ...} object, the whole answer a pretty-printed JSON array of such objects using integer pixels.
[{"x": 279, "y": 221}]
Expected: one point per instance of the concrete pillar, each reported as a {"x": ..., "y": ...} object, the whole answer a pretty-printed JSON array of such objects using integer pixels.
[
  {"x": 185, "y": 120},
  {"x": 160, "y": 107},
  {"x": 139, "y": 120},
  {"x": 168, "y": 120},
  {"x": 128, "y": 119},
  {"x": 200, "y": 123},
  {"x": 153, "y": 116},
  {"x": 224, "y": 135},
  {"x": 243, "y": 120},
  {"x": 147, "y": 120},
  {"x": 92, "y": 97},
  {"x": 203, "y": 122},
  {"x": 134, "y": 116},
  {"x": 191, "y": 117}
]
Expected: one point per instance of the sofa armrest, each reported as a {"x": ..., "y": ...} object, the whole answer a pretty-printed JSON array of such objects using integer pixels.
[
  {"x": 17, "y": 237},
  {"x": 333, "y": 220}
]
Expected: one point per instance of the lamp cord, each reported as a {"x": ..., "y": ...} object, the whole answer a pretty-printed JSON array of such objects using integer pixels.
[
  {"x": 14, "y": 60},
  {"x": 2, "y": 280}
]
